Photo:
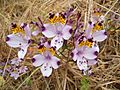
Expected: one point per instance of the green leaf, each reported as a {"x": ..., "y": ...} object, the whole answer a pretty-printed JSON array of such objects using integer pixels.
[{"x": 84, "y": 83}]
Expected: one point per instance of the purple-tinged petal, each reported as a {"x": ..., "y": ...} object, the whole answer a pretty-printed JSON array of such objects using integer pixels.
[
  {"x": 46, "y": 69},
  {"x": 16, "y": 61},
  {"x": 92, "y": 61},
  {"x": 55, "y": 62},
  {"x": 15, "y": 74},
  {"x": 27, "y": 32},
  {"x": 67, "y": 32},
  {"x": 82, "y": 64},
  {"x": 57, "y": 42},
  {"x": 23, "y": 69},
  {"x": 22, "y": 52},
  {"x": 49, "y": 31},
  {"x": 99, "y": 36},
  {"x": 90, "y": 53},
  {"x": 15, "y": 41},
  {"x": 38, "y": 60},
  {"x": 74, "y": 54},
  {"x": 36, "y": 32}
]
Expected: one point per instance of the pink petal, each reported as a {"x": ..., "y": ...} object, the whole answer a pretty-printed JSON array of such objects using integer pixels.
[
  {"x": 99, "y": 36},
  {"x": 36, "y": 32},
  {"x": 22, "y": 52},
  {"x": 82, "y": 64},
  {"x": 57, "y": 42},
  {"x": 92, "y": 61},
  {"x": 38, "y": 60},
  {"x": 15, "y": 41},
  {"x": 55, "y": 62},
  {"x": 50, "y": 30},
  {"x": 27, "y": 32},
  {"x": 74, "y": 54},
  {"x": 46, "y": 69},
  {"x": 90, "y": 53},
  {"x": 67, "y": 32}
]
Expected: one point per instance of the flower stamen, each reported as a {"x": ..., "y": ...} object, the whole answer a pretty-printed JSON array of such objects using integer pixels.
[
  {"x": 86, "y": 43},
  {"x": 17, "y": 29},
  {"x": 57, "y": 18}
]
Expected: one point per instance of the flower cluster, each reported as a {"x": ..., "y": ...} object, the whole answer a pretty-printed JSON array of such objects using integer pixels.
[{"x": 53, "y": 36}]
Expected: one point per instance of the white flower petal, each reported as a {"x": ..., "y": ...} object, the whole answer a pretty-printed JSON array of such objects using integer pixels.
[
  {"x": 15, "y": 41},
  {"x": 55, "y": 62},
  {"x": 82, "y": 64},
  {"x": 49, "y": 31},
  {"x": 90, "y": 53},
  {"x": 46, "y": 69},
  {"x": 36, "y": 32},
  {"x": 27, "y": 32},
  {"x": 59, "y": 26},
  {"x": 38, "y": 60},
  {"x": 95, "y": 45},
  {"x": 66, "y": 32},
  {"x": 74, "y": 54},
  {"x": 22, "y": 52},
  {"x": 57, "y": 42},
  {"x": 99, "y": 36},
  {"x": 92, "y": 61},
  {"x": 15, "y": 61}
]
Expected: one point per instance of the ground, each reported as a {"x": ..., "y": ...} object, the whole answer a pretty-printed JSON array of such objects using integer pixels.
[{"x": 106, "y": 74}]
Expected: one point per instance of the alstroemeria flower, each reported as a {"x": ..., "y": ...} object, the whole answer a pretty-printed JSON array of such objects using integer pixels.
[
  {"x": 46, "y": 60},
  {"x": 96, "y": 32},
  {"x": 23, "y": 69},
  {"x": 57, "y": 29},
  {"x": 20, "y": 39},
  {"x": 15, "y": 73},
  {"x": 85, "y": 53},
  {"x": 15, "y": 61}
]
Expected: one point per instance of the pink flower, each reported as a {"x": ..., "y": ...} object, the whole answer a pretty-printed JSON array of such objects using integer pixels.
[
  {"x": 46, "y": 60},
  {"x": 20, "y": 39}
]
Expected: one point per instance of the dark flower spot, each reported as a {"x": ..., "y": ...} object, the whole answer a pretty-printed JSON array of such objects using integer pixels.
[
  {"x": 62, "y": 15},
  {"x": 13, "y": 25},
  {"x": 96, "y": 53},
  {"x": 90, "y": 40},
  {"x": 20, "y": 44},
  {"x": 30, "y": 41},
  {"x": 72, "y": 54},
  {"x": 24, "y": 25},
  {"x": 7, "y": 39},
  {"x": 51, "y": 15},
  {"x": 49, "y": 42},
  {"x": 41, "y": 46},
  {"x": 90, "y": 22},
  {"x": 70, "y": 31},
  {"x": 33, "y": 60},
  {"x": 55, "y": 47},
  {"x": 95, "y": 59},
  {"x": 58, "y": 63},
  {"x": 42, "y": 28},
  {"x": 21, "y": 59},
  {"x": 116, "y": 16},
  {"x": 100, "y": 24},
  {"x": 105, "y": 33},
  {"x": 55, "y": 40}
]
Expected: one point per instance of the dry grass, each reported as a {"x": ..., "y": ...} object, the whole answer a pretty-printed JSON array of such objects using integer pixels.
[{"x": 106, "y": 74}]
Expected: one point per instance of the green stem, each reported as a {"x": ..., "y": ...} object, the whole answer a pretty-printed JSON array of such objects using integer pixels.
[{"x": 28, "y": 78}]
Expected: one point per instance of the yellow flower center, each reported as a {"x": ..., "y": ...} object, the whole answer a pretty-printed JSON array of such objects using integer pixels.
[
  {"x": 17, "y": 29},
  {"x": 85, "y": 43},
  {"x": 97, "y": 26},
  {"x": 59, "y": 18},
  {"x": 43, "y": 49}
]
